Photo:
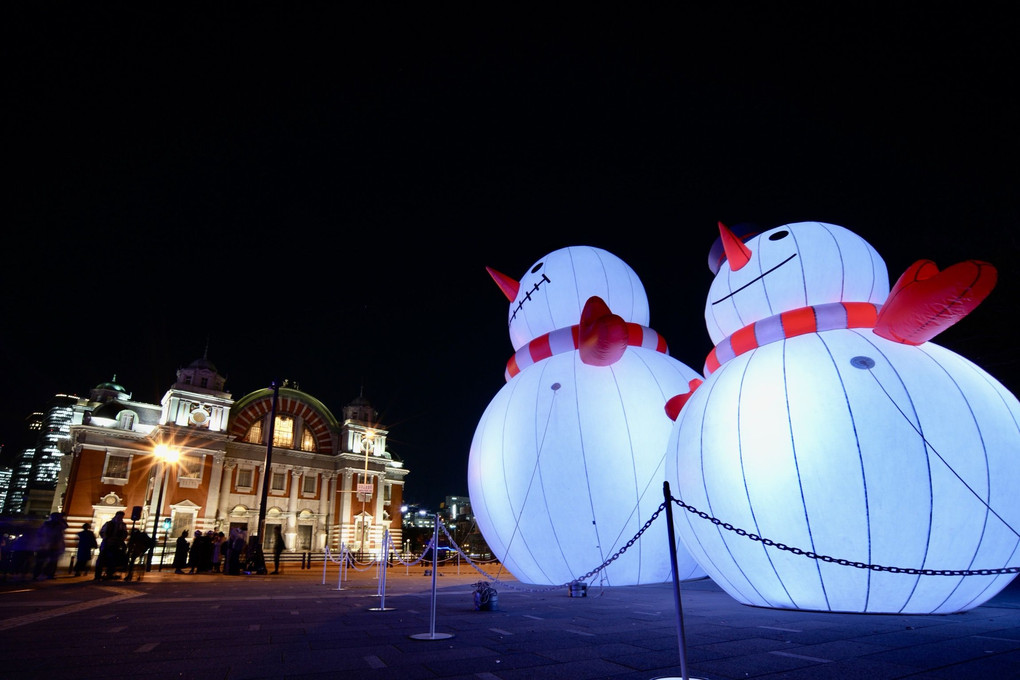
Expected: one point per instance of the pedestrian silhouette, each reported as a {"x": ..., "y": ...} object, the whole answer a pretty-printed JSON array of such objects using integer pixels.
[
  {"x": 86, "y": 544},
  {"x": 181, "y": 553},
  {"x": 278, "y": 547}
]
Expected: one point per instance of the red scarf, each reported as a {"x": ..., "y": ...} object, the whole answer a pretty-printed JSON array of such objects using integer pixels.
[
  {"x": 811, "y": 319},
  {"x": 565, "y": 340}
]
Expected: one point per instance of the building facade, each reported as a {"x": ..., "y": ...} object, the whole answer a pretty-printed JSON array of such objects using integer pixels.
[
  {"x": 16, "y": 498},
  {"x": 325, "y": 481}
]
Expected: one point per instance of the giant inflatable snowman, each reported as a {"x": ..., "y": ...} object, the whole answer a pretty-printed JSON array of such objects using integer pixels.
[
  {"x": 859, "y": 457},
  {"x": 566, "y": 465}
]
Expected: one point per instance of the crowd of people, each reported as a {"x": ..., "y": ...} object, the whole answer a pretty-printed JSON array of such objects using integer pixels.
[
  {"x": 35, "y": 553},
  {"x": 212, "y": 552}
]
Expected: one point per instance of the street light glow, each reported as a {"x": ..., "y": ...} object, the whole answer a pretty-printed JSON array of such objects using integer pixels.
[{"x": 167, "y": 454}]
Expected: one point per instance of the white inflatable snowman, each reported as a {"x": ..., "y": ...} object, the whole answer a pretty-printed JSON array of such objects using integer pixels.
[
  {"x": 566, "y": 465},
  {"x": 860, "y": 457}
]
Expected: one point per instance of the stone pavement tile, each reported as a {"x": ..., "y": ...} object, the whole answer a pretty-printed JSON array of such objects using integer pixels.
[
  {"x": 589, "y": 668},
  {"x": 850, "y": 669},
  {"x": 250, "y": 628},
  {"x": 649, "y": 661},
  {"x": 836, "y": 650},
  {"x": 560, "y": 652},
  {"x": 999, "y": 667},
  {"x": 939, "y": 654},
  {"x": 753, "y": 665}
]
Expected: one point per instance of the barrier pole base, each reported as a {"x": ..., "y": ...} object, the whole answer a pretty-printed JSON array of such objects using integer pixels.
[{"x": 431, "y": 636}]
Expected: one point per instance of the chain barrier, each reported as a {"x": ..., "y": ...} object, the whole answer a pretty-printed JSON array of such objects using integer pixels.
[
  {"x": 842, "y": 562},
  {"x": 590, "y": 574}
]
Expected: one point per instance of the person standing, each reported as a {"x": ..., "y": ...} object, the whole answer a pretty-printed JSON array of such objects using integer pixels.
[
  {"x": 86, "y": 544},
  {"x": 181, "y": 553},
  {"x": 278, "y": 547},
  {"x": 113, "y": 547},
  {"x": 217, "y": 556},
  {"x": 50, "y": 546},
  {"x": 201, "y": 549},
  {"x": 237, "y": 551}
]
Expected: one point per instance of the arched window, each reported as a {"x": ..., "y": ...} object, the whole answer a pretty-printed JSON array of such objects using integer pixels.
[
  {"x": 283, "y": 432},
  {"x": 254, "y": 435},
  {"x": 307, "y": 441},
  {"x": 126, "y": 420}
]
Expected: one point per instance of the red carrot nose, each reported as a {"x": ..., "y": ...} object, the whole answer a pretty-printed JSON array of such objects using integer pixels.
[
  {"x": 508, "y": 285},
  {"x": 737, "y": 252}
]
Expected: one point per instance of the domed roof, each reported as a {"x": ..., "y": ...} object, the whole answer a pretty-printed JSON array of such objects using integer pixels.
[
  {"x": 203, "y": 363},
  {"x": 109, "y": 410},
  {"x": 111, "y": 385}
]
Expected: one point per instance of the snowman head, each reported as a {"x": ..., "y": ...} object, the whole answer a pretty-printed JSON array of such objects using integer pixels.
[
  {"x": 761, "y": 274},
  {"x": 552, "y": 293}
]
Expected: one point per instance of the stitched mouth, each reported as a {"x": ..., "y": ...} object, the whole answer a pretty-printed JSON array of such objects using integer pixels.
[
  {"x": 527, "y": 296},
  {"x": 754, "y": 280}
]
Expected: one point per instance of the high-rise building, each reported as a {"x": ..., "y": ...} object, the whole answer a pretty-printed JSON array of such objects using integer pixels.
[
  {"x": 5, "y": 483},
  {"x": 15, "y": 503},
  {"x": 52, "y": 442}
]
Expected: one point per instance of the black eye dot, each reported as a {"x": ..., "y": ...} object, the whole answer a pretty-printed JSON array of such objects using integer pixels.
[
  {"x": 778, "y": 235},
  {"x": 537, "y": 267},
  {"x": 863, "y": 363}
]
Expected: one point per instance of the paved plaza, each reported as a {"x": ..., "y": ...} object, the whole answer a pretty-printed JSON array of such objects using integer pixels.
[{"x": 309, "y": 624}]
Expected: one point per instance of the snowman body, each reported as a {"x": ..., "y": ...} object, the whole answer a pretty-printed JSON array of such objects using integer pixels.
[
  {"x": 566, "y": 464},
  {"x": 870, "y": 461}
]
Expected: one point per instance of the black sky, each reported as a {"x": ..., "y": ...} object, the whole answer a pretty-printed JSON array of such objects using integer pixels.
[{"x": 314, "y": 194}]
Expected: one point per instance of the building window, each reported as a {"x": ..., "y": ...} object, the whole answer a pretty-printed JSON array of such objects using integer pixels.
[
  {"x": 116, "y": 469},
  {"x": 182, "y": 521},
  {"x": 307, "y": 441},
  {"x": 126, "y": 420},
  {"x": 283, "y": 432},
  {"x": 279, "y": 482},
  {"x": 189, "y": 471},
  {"x": 308, "y": 485},
  {"x": 244, "y": 477},
  {"x": 386, "y": 492},
  {"x": 254, "y": 435}
]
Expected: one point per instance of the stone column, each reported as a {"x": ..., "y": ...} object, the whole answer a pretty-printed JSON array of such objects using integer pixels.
[
  {"x": 326, "y": 493},
  {"x": 212, "y": 499},
  {"x": 292, "y": 506},
  {"x": 345, "y": 520},
  {"x": 223, "y": 504},
  {"x": 259, "y": 481}
]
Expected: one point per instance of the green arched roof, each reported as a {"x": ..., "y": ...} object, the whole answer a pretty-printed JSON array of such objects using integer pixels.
[{"x": 298, "y": 395}]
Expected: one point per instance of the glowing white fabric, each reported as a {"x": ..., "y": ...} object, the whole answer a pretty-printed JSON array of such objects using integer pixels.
[
  {"x": 844, "y": 444},
  {"x": 566, "y": 464}
]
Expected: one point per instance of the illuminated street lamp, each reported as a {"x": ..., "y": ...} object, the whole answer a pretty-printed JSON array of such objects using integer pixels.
[
  {"x": 164, "y": 454},
  {"x": 365, "y": 489}
]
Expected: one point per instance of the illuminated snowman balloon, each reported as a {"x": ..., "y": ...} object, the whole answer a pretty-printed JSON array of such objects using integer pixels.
[
  {"x": 566, "y": 465},
  {"x": 828, "y": 423}
]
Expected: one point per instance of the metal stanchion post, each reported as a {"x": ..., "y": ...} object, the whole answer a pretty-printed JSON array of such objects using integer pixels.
[
  {"x": 432, "y": 634},
  {"x": 682, "y": 642},
  {"x": 382, "y": 577}
]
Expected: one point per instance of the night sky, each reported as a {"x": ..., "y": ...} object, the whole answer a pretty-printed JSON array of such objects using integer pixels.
[{"x": 314, "y": 194}]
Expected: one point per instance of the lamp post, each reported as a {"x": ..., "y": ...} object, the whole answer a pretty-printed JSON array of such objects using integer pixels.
[
  {"x": 365, "y": 490},
  {"x": 165, "y": 455}
]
